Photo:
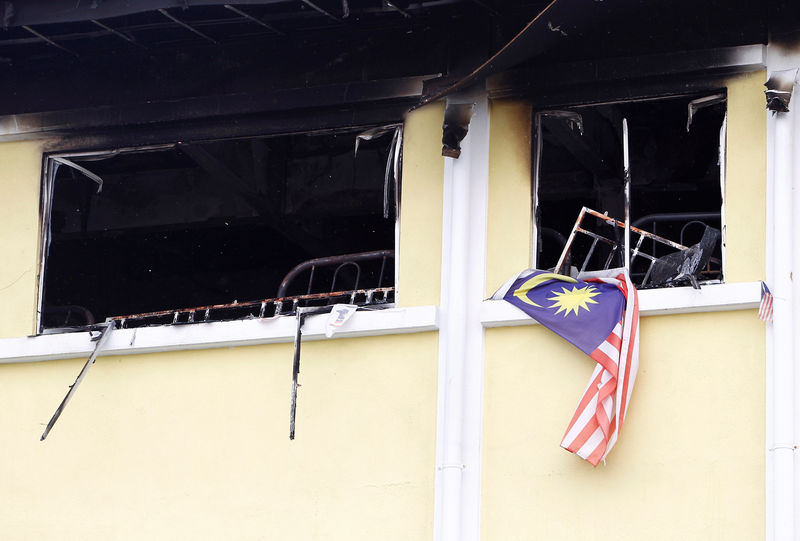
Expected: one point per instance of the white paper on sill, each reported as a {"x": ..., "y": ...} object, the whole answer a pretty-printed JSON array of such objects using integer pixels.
[{"x": 338, "y": 317}]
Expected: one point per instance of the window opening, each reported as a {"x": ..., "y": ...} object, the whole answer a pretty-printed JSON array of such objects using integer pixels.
[
  {"x": 207, "y": 231},
  {"x": 672, "y": 149}
]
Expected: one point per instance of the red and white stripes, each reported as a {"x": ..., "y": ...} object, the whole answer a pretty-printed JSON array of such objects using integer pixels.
[
  {"x": 595, "y": 427},
  {"x": 765, "y": 307}
]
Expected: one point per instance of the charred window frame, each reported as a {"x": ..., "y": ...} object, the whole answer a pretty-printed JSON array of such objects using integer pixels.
[
  {"x": 180, "y": 225},
  {"x": 673, "y": 149}
]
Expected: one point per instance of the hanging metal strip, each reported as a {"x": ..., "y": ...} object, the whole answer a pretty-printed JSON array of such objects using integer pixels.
[
  {"x": 302, "y": 313},
  {"x": 105, "y": 332},
  {"x": 80, "y": 169}
]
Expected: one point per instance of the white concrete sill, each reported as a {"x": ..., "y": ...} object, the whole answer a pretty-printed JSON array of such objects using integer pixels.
[
  {"x": 652, "y": 302},
  {"x": 219, "y": 334}
]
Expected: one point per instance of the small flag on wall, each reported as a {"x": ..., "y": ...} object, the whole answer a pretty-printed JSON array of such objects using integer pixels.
[
  {"x": 765, "y": 308},
  {"x": 598, "y": 314}
]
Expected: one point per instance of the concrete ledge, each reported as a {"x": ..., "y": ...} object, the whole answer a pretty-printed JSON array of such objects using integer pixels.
[
  {"x": 652, "y": 302},
  {"x": 217, "y": 334}
]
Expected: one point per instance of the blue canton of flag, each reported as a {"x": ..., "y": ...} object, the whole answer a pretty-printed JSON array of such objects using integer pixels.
[{"x": 582, "y": 313}]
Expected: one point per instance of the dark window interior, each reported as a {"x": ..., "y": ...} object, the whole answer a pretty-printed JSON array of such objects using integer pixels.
[
  {"x": 209, "y": 223},
  {"x": 673, "y": 172}
]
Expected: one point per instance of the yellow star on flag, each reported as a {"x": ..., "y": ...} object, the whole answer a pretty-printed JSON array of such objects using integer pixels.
[{"x": 573, "y": 300}]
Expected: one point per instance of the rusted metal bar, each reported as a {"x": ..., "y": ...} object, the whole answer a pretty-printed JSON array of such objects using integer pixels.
[
  {"x": 327, "y": 262},
  {"x": 704, "y": 248},
  {"x": 571, "y": 238},
  {"x": 340, "y": 267},
  {"x": 381, "y": 293},
  {"x": 617, "y": 223},
  {"x": 577, "y": 228},
  {"x": 355, "y": 295},
  {"x": 105, "y": 332},
  {"x": 380, "y": 276},
  {"x": 596, "y": 236}
]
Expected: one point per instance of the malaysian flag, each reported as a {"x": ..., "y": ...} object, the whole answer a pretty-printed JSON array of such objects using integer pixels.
[
  {"x": 765, "y": 307},
  {"x": 599, "y": 314}
]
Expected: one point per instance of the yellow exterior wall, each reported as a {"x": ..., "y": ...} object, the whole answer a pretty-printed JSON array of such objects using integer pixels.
[
  {"x": 420, "y": 251},
  {"x": 194, "y": 444},
  {"x": 746, "y": 172},
  {"x": 509, "y": 232},
  {"x": 20, "y": 182},
  {"x": 690, "y": 460}
]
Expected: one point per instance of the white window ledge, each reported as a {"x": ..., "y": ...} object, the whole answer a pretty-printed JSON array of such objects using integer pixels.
[
  {"x": 652, "y": 302},
  {"x": 218, "y": 334}
]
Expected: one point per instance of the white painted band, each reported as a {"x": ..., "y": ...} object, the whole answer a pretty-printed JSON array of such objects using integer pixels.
[
  {"x": 652, "y": 302},
  {"x": 217, "y": 334}
]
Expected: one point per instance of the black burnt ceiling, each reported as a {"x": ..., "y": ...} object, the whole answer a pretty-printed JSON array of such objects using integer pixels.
[
  {"x": 68, "y": 54},
  {"x": 76, "y": 54},
  {"x": 644, "y": 27}
]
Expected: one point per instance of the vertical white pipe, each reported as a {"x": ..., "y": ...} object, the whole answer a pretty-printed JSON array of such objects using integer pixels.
[
  {"x": 476, "y": 293},
  {"x": 789, "y": 280},
  {"x": 781, "y": 348},
  {"x": 783, "y": 371},
  {"x": 770, "y": 340},
  {"x": 459, "y": 428},
  {"x": 448, "y": 454}
]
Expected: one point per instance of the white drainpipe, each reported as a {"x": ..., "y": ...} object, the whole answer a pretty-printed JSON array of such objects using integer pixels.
[
  {"x": 460, "y": 393},
  {"x": 783, "y": 339}
]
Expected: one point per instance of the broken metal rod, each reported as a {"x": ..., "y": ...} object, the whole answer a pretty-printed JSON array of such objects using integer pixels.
[
  {"x": 614, "y": 223},
  {"x": 302, "y": 313},
  {"x": 105, "y": 332}
]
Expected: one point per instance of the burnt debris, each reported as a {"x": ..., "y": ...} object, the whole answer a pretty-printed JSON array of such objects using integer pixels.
[
  {"x": 780, "y": 86},
  {"x": 675, "y": 180},
  {"x": 214, "y": 224}
]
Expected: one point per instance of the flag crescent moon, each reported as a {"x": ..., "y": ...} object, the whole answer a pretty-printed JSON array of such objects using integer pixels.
[{"x": 522, "y": 291}]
